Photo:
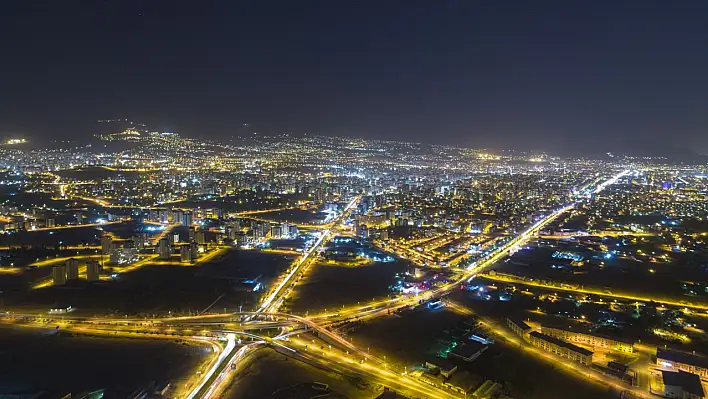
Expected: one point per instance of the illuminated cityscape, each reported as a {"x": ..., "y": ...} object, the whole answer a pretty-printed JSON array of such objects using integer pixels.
[
  {"x": 271, "y": 246},
  {"x": 401, "y": 199}
]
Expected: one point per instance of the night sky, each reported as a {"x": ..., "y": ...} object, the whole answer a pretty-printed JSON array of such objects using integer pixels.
[{"x": 555, "y": 75}]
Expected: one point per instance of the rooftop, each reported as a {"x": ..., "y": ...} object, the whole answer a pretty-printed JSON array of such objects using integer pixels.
[
  {"x": 687, "y": 381},
  {"x": 390, "y": 395},
  {"x": 519, "y": 323},
  {"x": 681, "y": 357},
  {"x": 469, "y": 349},
  {"x": 441, "y": 363},
  {"x": 561, "y": 343},
  {"x": 582, "y": 329}
]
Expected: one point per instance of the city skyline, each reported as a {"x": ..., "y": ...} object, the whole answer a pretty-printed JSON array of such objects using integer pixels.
[{"x": 431, "y": 271}]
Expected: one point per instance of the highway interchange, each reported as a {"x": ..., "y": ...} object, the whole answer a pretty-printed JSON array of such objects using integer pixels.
[{"x": 236, "y": 336}]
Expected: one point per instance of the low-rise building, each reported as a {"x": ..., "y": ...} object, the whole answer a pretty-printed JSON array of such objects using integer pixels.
[
  {"x": 681, "y": 361},
  {"x": 561, "y": 348},
  {"x": 487, "y": 390},
  {"x": 468, "y": 351},
  {"x": 61, "y": 309},
  {"x": 586, "y": 337},
  {"x": 463, "y": 382},
  {"x": 519, "y": 327},
  {"x": 386, "y": 394},
  {"x": 682, "y": 385},
  {"x": 446, "y": 367}
]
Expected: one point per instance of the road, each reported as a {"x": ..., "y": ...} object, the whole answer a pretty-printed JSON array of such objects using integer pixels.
[
  {"x": 516, "y": 343},
  {"x": 597, "y": 292},
  {"x": 347, "y": 364},
  {"x": 375, "y": 369},
  {"x": 475, "y": 268},
  {"x": 274, "y": 299}
]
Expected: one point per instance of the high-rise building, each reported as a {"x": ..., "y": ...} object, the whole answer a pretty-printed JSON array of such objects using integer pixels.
[
  {"x": 185, "y": 253},
  {"x": 177, "y": 216},
  {"x": 93, "y": 269},
  {"x": 259, "y": 230},
  {"x": 106, "y": 242},
  {"x": 164, "y": 216},
  {"x": 163, "y": 249},
  {"x": 276, "y": 231},
  {"x": 240, "y": 239},
  {"x": 59, "y": 274},
  {"x": 153, "y": 215},
  {"x": 200, "y": 237},
  {"x": 72, "y": 269},
  {"x": 187, "y": 219},
  {"x": 231, "y": 232},
  {"x": 195, "y": 249},
  {"x": 139, "y": 241}
]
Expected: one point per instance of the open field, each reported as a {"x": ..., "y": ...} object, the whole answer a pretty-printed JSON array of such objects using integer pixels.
[
  {"x": 42, "y": 360},
  {"x": 156, "y": 289},
  {"x": 271, "y": 375}
]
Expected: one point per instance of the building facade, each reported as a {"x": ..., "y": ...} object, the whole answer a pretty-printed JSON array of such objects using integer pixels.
[
  {"x": 93, "y": 270},
  {"x": 72, "y": 269},
  {"x": 519, "y": 328},
  {"x": 561, "y": 348},
  {"x": 586, "y": 338},
  {"x": 681, "y": 361},
  {"x": 59, "y": 274}
]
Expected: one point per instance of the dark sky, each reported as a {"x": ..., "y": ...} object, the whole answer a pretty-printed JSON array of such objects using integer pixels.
[{"x": 590, "y": 75}]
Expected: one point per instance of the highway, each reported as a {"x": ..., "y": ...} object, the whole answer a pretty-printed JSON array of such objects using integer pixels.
[
  {"x": 347, "y": 364},
  {"x": 274, "y": 299},
  {"x": 346, "y": 358},
  {"x": 597, "y": 292},
  {"x": 208, "y": 376},
  {"x": 383, "y": 306}
]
